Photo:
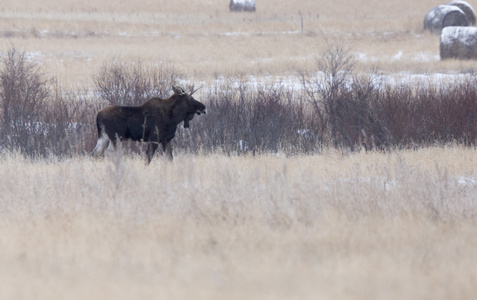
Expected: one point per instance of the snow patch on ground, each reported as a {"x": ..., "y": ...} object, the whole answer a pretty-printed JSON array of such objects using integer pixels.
[
  {"x": 466, "y": 181},
  {"x": 399, "y": 56}
]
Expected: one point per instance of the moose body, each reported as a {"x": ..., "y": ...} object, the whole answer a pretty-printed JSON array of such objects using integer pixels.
[{"x": 154, "y": 122}]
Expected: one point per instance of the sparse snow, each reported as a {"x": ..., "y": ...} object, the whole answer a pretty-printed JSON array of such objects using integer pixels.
[
  {"x": 397, "y": 56},
  {"x": 400, "y": 55},
  {"x": 466, "y": 181},
  {"x": 425, "y": 57}
]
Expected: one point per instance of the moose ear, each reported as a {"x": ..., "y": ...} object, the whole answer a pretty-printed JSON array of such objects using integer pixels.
[{"x": 178, "y": 90}]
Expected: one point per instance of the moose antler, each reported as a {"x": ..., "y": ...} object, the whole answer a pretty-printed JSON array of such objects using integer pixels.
[
  {"x": 178, "y": 90},
  {"x": 196, "y": 90}
]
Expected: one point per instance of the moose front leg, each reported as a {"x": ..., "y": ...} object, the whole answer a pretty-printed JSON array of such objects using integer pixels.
[
  {"x": 151, "y": 149},
  {"x": 167, "y": 146}
]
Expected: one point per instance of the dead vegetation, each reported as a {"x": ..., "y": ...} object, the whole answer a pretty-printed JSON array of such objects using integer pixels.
[
  {"x": 72, "y": 39},
  {"x": 342, "y": 184},
  {"x": 334, "y": 107},
  {"x": 364, "y": 226}
]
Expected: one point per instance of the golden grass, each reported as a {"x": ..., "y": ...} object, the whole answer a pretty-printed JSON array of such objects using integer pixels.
[
  {"x": 397, "y": 225},
  {"x": 203, "y": 39}
]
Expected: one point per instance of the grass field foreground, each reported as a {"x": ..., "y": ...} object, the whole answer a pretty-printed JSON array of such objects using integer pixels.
[{"x": 362, "y": 226}]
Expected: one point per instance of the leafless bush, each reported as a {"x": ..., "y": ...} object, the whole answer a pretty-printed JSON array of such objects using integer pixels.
[
  {"x": 357, "y": 111},
  {"x": 70, "y": 123},
  {"x": 23, "y": 93},
  {"x": 246, "y": 119},
  {"x": 328, "y": 90},
  {"x": 336, "y": 108},
  {"x": 37, "y": 118},
  {"x": 131, "y": 83}
]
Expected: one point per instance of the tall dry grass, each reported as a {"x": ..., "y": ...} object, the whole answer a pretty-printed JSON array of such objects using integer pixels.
[
  {"x": 362, "y": 226},
  {"x": 339, "y": 225}
]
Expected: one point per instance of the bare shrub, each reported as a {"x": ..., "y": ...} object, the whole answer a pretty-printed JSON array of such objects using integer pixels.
[
  {"x": 327, "y": 90},
  {"x": 71, "y": 125},
  {"x": 428, "y": 114},
  {"x": 336, "y": 107},
  {"x": 23, "y": 94},
  {"x": 357, "y": 111},
  {"x": 38, "y": 118},
  {"x": 362, "y": 122},
  {"x": 245, "y": 119},
  {"x": 131, "y": 83}
]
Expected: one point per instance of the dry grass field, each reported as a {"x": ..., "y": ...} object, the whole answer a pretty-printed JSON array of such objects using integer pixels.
[
  {"x": 204, "y": 40},
  {"x": 399, "y": 225},
  {"x": 335, "y": 225}
]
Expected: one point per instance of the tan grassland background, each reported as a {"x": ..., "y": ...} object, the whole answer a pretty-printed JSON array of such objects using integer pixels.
[
  {"x": 394, "y": 225},
  {"x": 203, "y": 39}
]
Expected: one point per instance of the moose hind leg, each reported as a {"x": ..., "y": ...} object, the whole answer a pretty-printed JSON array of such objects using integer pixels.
[{"x": 101, "y": 145}]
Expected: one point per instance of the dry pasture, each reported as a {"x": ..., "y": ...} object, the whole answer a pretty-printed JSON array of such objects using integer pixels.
[
  {"x": 394, "y": 225},
  {"x": 204, "y": 40},
  {"x": 332, "y": 226}
]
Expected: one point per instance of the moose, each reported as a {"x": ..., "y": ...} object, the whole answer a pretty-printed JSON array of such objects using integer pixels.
[{"x": 155, "y": 122}]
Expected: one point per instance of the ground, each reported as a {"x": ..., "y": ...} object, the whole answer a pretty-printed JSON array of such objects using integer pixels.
[
  {"x": 362, "y": 226},
  {"x": 333, "y": 225}
]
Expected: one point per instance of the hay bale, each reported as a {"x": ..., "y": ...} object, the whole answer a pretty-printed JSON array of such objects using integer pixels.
[
  {"x": 466, "y": 8},
  {"x": 443, "y": 16},
  {"x": 242, "y": 5},
  {"x": 459, "y": 42}
]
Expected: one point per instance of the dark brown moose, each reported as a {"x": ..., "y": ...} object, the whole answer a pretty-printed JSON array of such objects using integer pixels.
[{"x": 155, "y": 122}]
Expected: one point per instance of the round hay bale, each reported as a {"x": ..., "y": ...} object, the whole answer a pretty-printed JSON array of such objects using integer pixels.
[
  {"x": 443, "y": 16},
  {"x": 458, "y": 42},
  {"x": 466, "y": 8},
  {"x": 242, "y": 5}
]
